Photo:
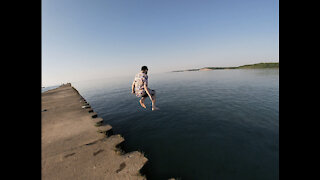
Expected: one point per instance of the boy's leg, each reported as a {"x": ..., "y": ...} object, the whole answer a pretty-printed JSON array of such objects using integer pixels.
[
  {"x": 142, "y": 102},
  {"x": 154, "y": 102}
]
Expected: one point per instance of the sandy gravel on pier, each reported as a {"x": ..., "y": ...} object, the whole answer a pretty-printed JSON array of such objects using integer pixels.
[{"x": 72, "y": 147}]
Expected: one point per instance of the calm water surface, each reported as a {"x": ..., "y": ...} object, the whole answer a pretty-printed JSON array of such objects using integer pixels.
[
  {"x": 48, "y": 88},
  {"x": 221, "y": 124}
]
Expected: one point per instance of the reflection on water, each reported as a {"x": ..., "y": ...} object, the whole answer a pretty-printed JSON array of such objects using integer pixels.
[{"x": 221, "y": 124}]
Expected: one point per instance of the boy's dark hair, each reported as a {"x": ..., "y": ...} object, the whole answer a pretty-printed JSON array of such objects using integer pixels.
[{"x": 144, "y": 68}]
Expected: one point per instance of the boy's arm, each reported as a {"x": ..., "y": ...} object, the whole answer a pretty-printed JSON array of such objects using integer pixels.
[
  {"x": 132, "y": 87},
  {"x": 147, "y": 90}
]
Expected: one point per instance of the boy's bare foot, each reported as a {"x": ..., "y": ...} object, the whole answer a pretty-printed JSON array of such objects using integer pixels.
[
  {"x": 155, "y": 108},
  {"x": 142, "y": 104}
]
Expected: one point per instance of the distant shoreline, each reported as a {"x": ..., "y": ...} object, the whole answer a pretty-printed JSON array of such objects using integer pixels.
[{"x": 249, "y": 66}]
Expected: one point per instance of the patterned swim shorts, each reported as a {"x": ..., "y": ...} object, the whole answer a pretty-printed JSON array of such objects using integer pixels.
[{"x": 152, "y": 93}]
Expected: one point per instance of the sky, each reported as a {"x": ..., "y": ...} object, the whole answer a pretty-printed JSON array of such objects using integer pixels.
[{"x": 94, "y": 39}]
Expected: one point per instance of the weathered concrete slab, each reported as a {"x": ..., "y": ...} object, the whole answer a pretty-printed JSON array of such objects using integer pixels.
[{"x": 74, "y": 148}]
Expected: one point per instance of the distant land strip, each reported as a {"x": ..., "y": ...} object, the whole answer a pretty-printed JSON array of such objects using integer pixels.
[{"x": 249, "y": 66}]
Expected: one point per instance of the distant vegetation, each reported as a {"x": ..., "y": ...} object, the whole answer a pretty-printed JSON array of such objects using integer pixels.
[
  {"x": 249, "y": 66},
  {"x": 260, "y": 66}
]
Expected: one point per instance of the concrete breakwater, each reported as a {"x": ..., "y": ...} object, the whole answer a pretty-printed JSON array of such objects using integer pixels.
[{"x": 75, "y": 144}]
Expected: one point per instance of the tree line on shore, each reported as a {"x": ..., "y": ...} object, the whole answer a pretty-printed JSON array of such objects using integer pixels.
[{"x": 249, "y": 66}]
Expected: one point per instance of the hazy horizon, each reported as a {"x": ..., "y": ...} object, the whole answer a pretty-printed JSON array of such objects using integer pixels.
[{"x": 84, "y": 40}]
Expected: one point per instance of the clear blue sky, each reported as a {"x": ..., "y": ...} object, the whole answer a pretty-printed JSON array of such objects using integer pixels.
[{"x": 91, "y": 39}]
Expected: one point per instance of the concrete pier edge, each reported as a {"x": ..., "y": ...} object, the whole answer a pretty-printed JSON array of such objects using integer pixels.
[{"x": 66, "y": 150}]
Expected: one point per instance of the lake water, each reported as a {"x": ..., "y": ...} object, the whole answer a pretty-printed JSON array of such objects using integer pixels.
[
  {"x": 48, "y": 88},
  {"x": 221, "y": 124}
]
